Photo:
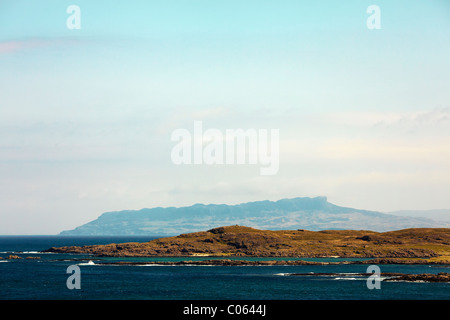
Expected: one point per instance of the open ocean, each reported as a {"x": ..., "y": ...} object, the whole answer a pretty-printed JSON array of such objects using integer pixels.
[{"x": 45, "y": 278}]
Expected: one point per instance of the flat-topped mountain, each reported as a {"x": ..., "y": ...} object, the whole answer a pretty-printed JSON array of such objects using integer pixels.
[
  {"x": 246, "y": 241},
  {"x": 297, "y": 213}
]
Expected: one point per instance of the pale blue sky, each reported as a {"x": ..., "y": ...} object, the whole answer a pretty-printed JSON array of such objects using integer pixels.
[{"x": 86, "y": 115}]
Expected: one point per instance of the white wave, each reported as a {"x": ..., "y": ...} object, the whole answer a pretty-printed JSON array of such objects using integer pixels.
[
  {"x": 282, "y": 274},
  {"x": 415, "y": 281},
  {"x": 90, "y": 263},
  {"x": 4, "y": 261},
  {"x": 349, "y": 273},
  {"x": 26, "y": 252},
  {"x": 36, "y": 252},
  {"x": 175, "y": 265},
  {"x": 194, "y": 265},
  {"x": 347, "y": 278}
]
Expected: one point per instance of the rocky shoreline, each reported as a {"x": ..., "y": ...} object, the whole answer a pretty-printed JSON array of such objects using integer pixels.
[
  {"x": 241, "y": 241},
  {"x": 389, "y": 276},
  {"x": 243, "y": 262},
  {"x": 424, "y": 277},
  {"x": 442, "y": 277},
  {"x": 16, "y": 257},
  {"x": 386, "y": 276}
]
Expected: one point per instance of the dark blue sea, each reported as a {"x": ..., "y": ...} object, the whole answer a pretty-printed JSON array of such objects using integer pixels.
[{"x": 45, "y": 278}]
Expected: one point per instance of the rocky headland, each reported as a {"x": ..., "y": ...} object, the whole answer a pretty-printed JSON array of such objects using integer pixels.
[{"x": 416, "y": 245}]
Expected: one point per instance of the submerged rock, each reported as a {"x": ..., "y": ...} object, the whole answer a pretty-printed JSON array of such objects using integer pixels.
[
  {"x": 12, "y": 256},
  {"x": 424, "y": 277}
]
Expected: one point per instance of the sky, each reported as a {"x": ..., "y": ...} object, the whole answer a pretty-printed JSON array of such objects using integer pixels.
[{"x": 86, "y": 115}]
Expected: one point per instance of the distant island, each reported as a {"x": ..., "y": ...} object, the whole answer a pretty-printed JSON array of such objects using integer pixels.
[
  {"x": 297, "y": 213},
  {"x": 417, "y": 245}
]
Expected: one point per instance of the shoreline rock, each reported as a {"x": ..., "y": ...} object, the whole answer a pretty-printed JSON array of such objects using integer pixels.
[
  {"x": 389, "y": 276},
  {"x": 241, "y": 241},
  {"x": 243, "y": 262},
  {"x": 13, "y": 257},
  {"x": 424, "y": 277}
]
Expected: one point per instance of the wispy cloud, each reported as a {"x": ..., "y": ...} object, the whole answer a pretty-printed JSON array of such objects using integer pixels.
[
  {"x": 439, "y": 116},
  {"x": 15, "y": 46}
]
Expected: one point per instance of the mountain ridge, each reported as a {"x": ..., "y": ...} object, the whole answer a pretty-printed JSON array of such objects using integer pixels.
[
  {"x": 288, "y": 213},
  {"x": 438, "y": 215}
]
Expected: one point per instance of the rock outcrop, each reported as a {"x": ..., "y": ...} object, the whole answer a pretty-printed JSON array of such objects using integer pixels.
[
  {"x": 429, "y": 243},
  {"x": 424, "y": 277},
  {"x": 12, "y": 257}
]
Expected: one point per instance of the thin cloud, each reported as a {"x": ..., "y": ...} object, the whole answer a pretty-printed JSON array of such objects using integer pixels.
[
  {"x": 392, "y": 118},
  {"x": 15, "y": 46}
]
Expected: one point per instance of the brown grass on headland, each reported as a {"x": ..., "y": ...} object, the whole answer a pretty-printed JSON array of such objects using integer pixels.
[{"x": 429, "y": 243}]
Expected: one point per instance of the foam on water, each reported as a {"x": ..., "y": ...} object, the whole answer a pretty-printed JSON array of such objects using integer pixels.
[{"x": 90, "y": 263}]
